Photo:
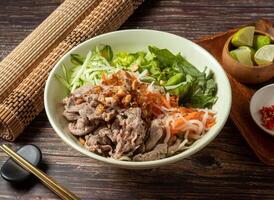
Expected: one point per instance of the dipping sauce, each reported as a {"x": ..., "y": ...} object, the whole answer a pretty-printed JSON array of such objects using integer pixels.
[{"x": 267, "y": 116}]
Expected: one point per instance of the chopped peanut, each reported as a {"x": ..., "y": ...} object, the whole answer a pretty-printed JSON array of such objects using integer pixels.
[
  {"x": 82, "y": 141},
  {"x": 99, "y": 109},
  {"x": 121, "y": 92},
  {"x": 110, "y": 101},
  {"x": 134, "y": 84},
  {"x": 126, "y": 100}
]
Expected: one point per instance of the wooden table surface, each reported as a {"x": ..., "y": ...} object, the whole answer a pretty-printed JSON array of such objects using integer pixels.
[{"x": 226, "y": 169}]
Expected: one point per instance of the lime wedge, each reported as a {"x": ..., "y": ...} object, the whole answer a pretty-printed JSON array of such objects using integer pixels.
[
  {"x": 233, "y": 54},
  {"x": 260, "y": 41},
  {"x": 265, "y": 55},
  {"x": 243, "y": 37},
  {"x": 242, "y": 55},
  {"x": 251, "y": 50}
]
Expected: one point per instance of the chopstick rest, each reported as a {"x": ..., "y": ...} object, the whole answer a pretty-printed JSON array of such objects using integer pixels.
[
  {"x": 59, "y": 190},
  {"x": 13, "y": 172}
]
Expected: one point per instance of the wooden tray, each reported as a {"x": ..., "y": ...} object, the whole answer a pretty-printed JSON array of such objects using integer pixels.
[{"x": 261, "y": 143}]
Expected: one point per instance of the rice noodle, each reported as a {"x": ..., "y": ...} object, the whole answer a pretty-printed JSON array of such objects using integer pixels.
[
  {"x": 168, "y": 97},
  {"x": 164, "y": 109},
  {"x": 134, "y": 137},
  {"x": 205, "y": 116},
  {"x": 150, "y": 87},
  {"x": 125, "y": 158},
  {"x": 199, "y": 124},
  {"x": 182, "y": 146}
]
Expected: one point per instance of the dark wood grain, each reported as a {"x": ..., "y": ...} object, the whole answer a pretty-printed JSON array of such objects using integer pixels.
[{"x": 225, "y": 169}]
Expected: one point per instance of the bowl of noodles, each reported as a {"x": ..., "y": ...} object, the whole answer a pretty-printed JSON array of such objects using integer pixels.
[{"x": 137, "y": 98}]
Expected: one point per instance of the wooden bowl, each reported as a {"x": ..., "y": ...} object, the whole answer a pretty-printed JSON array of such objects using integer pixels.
[{"x": 246, "y": 73}]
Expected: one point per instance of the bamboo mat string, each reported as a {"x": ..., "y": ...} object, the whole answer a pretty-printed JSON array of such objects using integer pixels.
[
  {"x": 31, "y": 51},
  {"x": 26, "y": 100}
]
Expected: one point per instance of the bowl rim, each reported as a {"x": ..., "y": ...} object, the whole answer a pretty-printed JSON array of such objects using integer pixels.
[
  {"x": 143, "y": 164},
  {"x": 255, "y": 67},
  {"x": 251, "y": 105}
]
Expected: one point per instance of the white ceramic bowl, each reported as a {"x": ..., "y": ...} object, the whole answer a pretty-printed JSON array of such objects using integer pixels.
[
  {"x": 136, "y": 40},
  {"x": 263, "y": 97}
]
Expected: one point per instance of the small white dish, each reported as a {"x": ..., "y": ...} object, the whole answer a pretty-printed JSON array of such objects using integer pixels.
[{"x": 263, "y": 97}]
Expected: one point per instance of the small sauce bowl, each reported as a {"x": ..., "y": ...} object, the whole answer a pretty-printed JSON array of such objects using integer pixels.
[
  {"x": 263, "y": 97},
  {"x": 246, "y": 73}
]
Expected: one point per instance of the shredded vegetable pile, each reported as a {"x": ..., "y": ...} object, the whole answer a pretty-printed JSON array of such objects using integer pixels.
[
  {"x": 160, "y": 67},
  {"x": 137, "y": 106},
  {"x": 127, "y": 119},
  {"x": 191, "y": 123}
]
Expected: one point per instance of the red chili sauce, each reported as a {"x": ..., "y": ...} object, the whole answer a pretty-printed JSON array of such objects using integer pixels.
[{"x": 267, "y": 114}]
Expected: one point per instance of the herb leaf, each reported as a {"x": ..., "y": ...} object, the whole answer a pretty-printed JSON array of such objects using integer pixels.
[
  {"x": 165, "y": 57},
  {"x": 76, "y": 59},
  {"x": 107, "y": 52}
]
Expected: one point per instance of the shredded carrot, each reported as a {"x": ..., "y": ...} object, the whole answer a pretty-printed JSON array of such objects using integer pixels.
[
  {"x": 154, "y": 101},
  {"x": 210, "y": 123},
  {"x": 175, "y": 127},
  {"x": 194, "y": 115},
  {"x": 104, "y": 77},
  {"x": 178, "y": 123},
  {"x": 184, "y": 110},
  {"x": 156, "y": 110}
]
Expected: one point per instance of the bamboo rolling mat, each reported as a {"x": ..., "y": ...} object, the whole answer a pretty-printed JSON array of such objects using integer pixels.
[
  {"x": 25, "y": 101},
  {"x": 25, "y": 57}
]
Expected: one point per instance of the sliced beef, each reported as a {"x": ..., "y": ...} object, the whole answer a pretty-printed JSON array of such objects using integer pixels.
[
  {"x": 131, "y": 134},
  {"x": 86, "y": 110},
  {"x": 155, "y": 134},
  {"x": 71, "y": 111},
  {"x": 106, "y": 115},
  {"x": 92, "y": 99},
  {"x": 74, "y": 108},
  {"x": 159, "y": 152},
  {"x": 81, "y": 127},
  {"x": 101, "y": 114},
  {"x": 82, "y": 90},
  {"x": 115, "y": 129},
  {"x": 99, "y": 141},
  {"x": 71, "y": 116},
  {"x": 173, "y": 148}
]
